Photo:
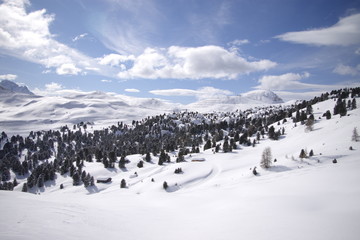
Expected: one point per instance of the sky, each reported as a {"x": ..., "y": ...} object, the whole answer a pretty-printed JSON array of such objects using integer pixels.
[{"x": 181, "y": 50}]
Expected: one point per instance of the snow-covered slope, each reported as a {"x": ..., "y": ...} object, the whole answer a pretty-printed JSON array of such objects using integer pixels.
[
  {"x": 21, "y": 112},
  {"x": 265, "y": 96},
  {"x": 219, "y": 198}
]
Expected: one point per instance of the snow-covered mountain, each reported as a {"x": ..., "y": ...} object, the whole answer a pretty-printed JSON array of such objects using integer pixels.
[
  {"x": 265, "y": 96},
  {"x": 21, "y": 108},
  {"x": 20, "y": 111},
  {"x": 232, "y": 103},
  {"x": 13, "y": 87}
]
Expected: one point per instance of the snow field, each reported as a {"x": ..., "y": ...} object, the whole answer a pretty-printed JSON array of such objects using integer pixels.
[{"x": 219, "y": 198}]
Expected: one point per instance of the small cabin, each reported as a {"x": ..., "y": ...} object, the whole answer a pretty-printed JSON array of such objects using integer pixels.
[
  {"x": 103, "y": 180},
  {"x": 198, "y": 160}
]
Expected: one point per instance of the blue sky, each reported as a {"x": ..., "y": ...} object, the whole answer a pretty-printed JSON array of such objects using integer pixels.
[{"x": 181, "y": 50}]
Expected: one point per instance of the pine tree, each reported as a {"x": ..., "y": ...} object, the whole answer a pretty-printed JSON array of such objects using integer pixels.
[
  {"x": 92, "y": 181},
  {"x": 165, "y": 185},
  {"x": 123, "y": 183},
  {"x": 254, "y": 171},
  {"x": 24, "y": 187},
  {"x": 303, "y": 154},
  {"x": 15, "y": 183},
  {"x": 40, "y": 181},
  {"x": 147, "y": 157},
  {"x": 266, "y": 158},
  {"x": 122, "y": 162},
  {"x": 207, "y": 145},
  {"x": 76, "y": 179},
  {"x": 226, "y": 146},
  {"x": 309, "y": 109},
  {"x": 310, "y": 124},
  {"x": 355, "y": 135},
  {"x": 353, "y": 104},
  {"x": 311, "y": 153},
  {"x": 328, "y": 115},
  {"x": 140, "y": 164}
]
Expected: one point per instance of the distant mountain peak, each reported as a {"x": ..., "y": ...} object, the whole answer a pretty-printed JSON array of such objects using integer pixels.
[
  {"x": 13, "y": 87},
  {"x": 266, "y": 96}
]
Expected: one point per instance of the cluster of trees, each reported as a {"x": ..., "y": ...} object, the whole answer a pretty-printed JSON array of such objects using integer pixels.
[{"x": 70, "y": 148}]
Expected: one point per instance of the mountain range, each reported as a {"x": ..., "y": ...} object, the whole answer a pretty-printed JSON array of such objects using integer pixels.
[{"x": 21, "y": 108}]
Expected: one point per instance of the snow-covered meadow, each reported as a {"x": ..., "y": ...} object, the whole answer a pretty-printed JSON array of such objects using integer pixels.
[{"x": 219, "y": 198}]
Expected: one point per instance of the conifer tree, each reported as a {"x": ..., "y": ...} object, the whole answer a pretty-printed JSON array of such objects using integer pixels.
[
  {"x": 92, "y": 181},
  {"x": 310, "y": 123},
  {"x": 207, "y": 145},
  {"x": 122, "y": 162},
  {"x": 266, "y": 158},
  {"x": 147, "y": 157},
  {"x": 165, "y": 185},
  {"x": 24, "y": 187},
  {"x": 76, "y": 179},
  {"x": 355, "y": 135},
  {"x": 353, "y": 104},
  {"x": 226, "y": 146},
  {"x": 40, "y": 181},
  {"x": 303, "y": 154},
  {"x": 123, "y": 183},
  {"x": 140, "y": 164}
]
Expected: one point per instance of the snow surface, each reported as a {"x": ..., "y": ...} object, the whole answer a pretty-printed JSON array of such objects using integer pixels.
[{"x": 219, "y": 198}]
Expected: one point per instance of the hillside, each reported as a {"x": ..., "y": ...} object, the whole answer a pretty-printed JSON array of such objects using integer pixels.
[
  {"x": 22, "y": 111},
  {"x": 218, "y": 198}
]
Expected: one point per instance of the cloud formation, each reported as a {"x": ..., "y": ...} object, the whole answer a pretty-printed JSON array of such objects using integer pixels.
[
  {"x": 287, "y": 81},
  {"x": 347, "y": 70},
  {"x": 10, "y": 77},
  {"x": 239, "y": 42},
  {"x": 132, "y": 90},
  {"x": 27, "y": 36},
  {"x": 191, "y": 63},
  {"x": 201, "y": 93},
  {"x": 115, "y": 59},
  {"x": 345, "y": 32},
  {"x": 106, "y": 80},
  {"x": 77, "y": 38},
  {"x": 51, "y": 87}
]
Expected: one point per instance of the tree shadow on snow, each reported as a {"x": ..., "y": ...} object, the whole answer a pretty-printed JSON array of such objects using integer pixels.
[
  {"x": 92, "y": 189},
  {"x": 173, "y": 188},
  {"x": 279, "y": 168}
]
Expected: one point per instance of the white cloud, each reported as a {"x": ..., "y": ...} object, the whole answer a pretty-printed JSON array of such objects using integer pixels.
[
  {"x": 77, "y": 38},
  {"x": 239, "y": 42},
  {"x": 115, "y": 59},
  {"x": 68, "y": 69},
  {"x": 287, "y": 81},
  {"x": 201, "y": 93},
  {"x": 192, "y": 63},
  {"x": 51, "y": 87},
  {"x": 26, "y": 35},
  {"x": 344, "y": 33},
  {"x": 347, "y": 70},
  {"x": 8, "y": 77},
  {"x": 106, "y": 80},
  {"x": 132, "y": 90}
]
